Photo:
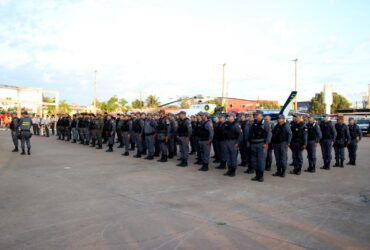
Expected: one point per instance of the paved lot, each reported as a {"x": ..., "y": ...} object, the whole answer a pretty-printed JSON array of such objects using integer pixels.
[{"x": 67, "y": 196}]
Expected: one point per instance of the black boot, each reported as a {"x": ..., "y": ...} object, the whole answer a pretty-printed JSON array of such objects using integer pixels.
[
  {"x": 336, "y": 163},
  {"x": 294, "y": 171},
  {"x": 268, "y": 166},
  {"x": 260, "y": 177},
  {"x": 249, "y": 170},
  {"x": 257, "y": 176},
  {"x": 23, "y": 153},
  {"x": 277, "y": 173},
  {"x": 163, "y": 159},
  {"x": 198, "y": 162},
  {"x": 283, "y": 173},
  {"x": 243, "y": 164},
  {"x": 232, "y": 172},
  {"x": 204, "y": 168},
  {"x": 29, "y": 152},
  {"x": 150, "y": 157},
  {"x": 222, "y": 165},
  {"x": 138, "y": 155},
  {"x": 354, "y": 162},
  {"x": 341, "y": 163},
  {"x": 313, "y": 168},
  {"x": 228, "y": 172},
  {"x": 126, "y": 153},
  {"x": 183, "y": 164},
  {"x": 299, "y": 169},
  {"x": 99, "y": 146},
  {"x": 15, "y": 149},
  {"x": 74, "y": 141},
  {"x": 170, "y": 156},
  {"x": 110, "y": 149},
  {"x": 309, "y": 169}
]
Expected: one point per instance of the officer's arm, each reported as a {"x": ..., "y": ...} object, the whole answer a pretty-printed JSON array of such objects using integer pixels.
[
  {"x": 359, "y": 131},
  {"x": 239, "y": 133},
  {"x": 305, "y": 136},
  {"x": 348, "y": 135},
  {"x": 130, "y": 126},
  {"x": 289, "y": 132},
  {"x": 334, "y": 132},
  {"x": 211, "y": 131},
  {"x": 246, "y": 132},
  {"x": 318, "y": 134},
  {"x": 268, "y": 133},
  {"x": 190, "y": 129}
]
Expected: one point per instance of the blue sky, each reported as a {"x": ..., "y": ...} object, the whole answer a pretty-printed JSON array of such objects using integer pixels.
[{"x": 174, "y": 48}]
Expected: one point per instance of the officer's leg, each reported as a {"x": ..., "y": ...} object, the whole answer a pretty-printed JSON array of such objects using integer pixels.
[
  {"x": 284, "y": 158},
  {"x": 336, "y": 151},
  {"x": 278, "y": 155},
  {"x": 23, "y": 141}
]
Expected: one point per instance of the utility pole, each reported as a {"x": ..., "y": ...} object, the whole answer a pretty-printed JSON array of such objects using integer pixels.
[
  {"x": 223, "y": 84},
  {"x": 295, "y": 84},
  {"x": 95, "y": 71}
]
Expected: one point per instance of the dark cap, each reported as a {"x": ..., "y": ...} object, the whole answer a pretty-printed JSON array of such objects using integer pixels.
[
  {"x": 281, "y": 117},
  {"x": 182, "y": 112},
  {"x": 351, "y": 119},
  {"x": 259, "y": 112}
]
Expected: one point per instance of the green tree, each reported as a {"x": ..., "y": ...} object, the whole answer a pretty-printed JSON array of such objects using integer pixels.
[
  {"x": 98, "y": 103},
  {"x": 48, "y": 99},
  {"x": 111, "y": 105},
  {"x": 217, "y": 101},
  {"x": 317, "y": 103},
  {"x": 64, "y": 107},
  {"x": 137, "y": 104},
  {"x": 152, "y": 101},
  {"x": 123, "y": 105}
]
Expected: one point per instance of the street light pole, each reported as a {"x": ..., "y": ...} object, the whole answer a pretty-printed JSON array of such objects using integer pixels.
[
  {"x": 95, "y": 91},
  {"x": 295, "y": 84}
]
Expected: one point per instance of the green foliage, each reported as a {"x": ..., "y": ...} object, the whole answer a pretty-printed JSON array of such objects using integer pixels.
[
  {"x": 317, "y": 105},
  {"x": 111, "y": 105},
  {"x": 48, "y": 99},
  {"x": 137, "y": 104},
  {"x": 64, "y": 107},
  {"x": 217, "y": 101},
  {"x": 152, "y": 101}
]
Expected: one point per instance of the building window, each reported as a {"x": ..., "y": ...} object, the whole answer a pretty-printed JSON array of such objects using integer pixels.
[
  {"x": 242, "y": 106},
  {"x": 231, "y": 105}
]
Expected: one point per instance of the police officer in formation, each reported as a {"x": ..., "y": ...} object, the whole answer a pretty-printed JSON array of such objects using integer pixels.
[
  {"x": 313, "y": 138},
  {"x": 184, "y": 133},
  {"x": 25, "y": 125},
  {"x": 281, "y": 139},
  {"x": 342, "y": 139},
  {"x": 355, "y": 136},
  {"x": 232, "y": 138},
  {"x": 252, "y": 137},
  {"x": 259, "y": 138},
  {"x": 298, "y": 143},
  {"x": 328, "y": 136}
]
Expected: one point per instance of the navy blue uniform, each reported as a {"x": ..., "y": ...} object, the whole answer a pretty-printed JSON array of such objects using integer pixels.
[
  {"x": 356, "y": 135},
  {"x": 259, "y": 135},
  {"x": 297, "y": 145},
  {"x": 328, "y": 136},
  {"x": 341, "y": 141},
  {"x": 205, "y": 135},
  {"x": 281, "y": 138},
  {"x": 313, "y": 138},
  {"x": 232, "y": 135},
  {"x": 184, "y": 132}
]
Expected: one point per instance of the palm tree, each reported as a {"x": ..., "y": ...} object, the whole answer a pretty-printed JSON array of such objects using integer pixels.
[{"x": 152, "y": 101}]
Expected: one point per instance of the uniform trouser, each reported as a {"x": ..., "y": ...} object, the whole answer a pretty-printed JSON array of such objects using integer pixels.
[
  {"x": 204, "y": 148},
  {"x": 25, "y": 139},
  {"x": 326, "y": 150},
  {"x": 281, "y": 156},
  {"x": 119, "y": 136},
  {"x": 85, "y": 137},
  {"x": 297, "y": 155},
  {"x": 243, "y": 151},
  {"x": 231, "y": 153},
  {"x": 150, "y": 144},
  {"x": 192, "y": 144},
  {"x": 311, "y": 152},
  {"x": 258, "y": 156},
  {"x": 126, "y": 140},
  {"x": 93, "y": 136},
  {"x": 75, "y": 134},
  {"x": 88, "y": 135},
  {"x": 61, "y": 133},
  {"x": 171, "y": 145},
  {"x": 352, "y": 150},
  {"x": 132, "y": 140},
  {"x": 99, "y": 136},
  {"x": 215, "y": 149},
  {"x": 52, "y": 129},
  {"x": 34, "y": 127},
  {"x": 339, "y": 151},
  {"x": 197, "y": 147},
  {"x": 138, "y": 142},
  {"x": 222, "y": 150},
  {"x": 157, "y": 146},
  {"x": 15, "y": 138},
  {"x": 46, "y": 130},
  {"x": 37, "y": 129},
  {"x": 143, "y": 142},
  {"x": 163, "y": 144},
  {"x": 82, "y": 135},
  {"x": 111, "y": 136},
  {"x": 184, "y": 147},
  {"x": 269, "y": 154}
]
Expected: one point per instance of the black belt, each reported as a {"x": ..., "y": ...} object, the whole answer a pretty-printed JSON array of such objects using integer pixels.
[
  {"x": 23, "y": 130},
  {"x": 149, "y": 134}
]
